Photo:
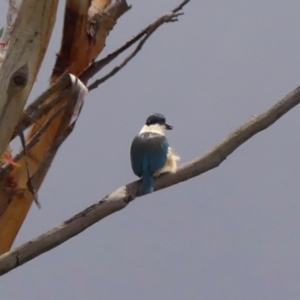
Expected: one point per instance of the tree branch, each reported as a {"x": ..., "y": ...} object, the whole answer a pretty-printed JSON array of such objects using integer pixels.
[
  {"x": 122, "y": 196},
  {"x": 116, "y": 69},
  {"x": 66, "y": 126},
  {"x": 96, "y": 66},
  {"x": 38, "y": 108}
]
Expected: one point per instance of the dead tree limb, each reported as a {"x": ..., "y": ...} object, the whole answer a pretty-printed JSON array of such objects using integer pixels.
[{"x": 120, "y": 198}]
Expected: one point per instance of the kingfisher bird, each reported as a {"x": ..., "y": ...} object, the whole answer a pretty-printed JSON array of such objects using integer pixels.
[{"x": 150, "y": 152}]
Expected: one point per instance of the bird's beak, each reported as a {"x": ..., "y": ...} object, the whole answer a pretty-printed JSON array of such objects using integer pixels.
[{"x": 168, "y": 127}]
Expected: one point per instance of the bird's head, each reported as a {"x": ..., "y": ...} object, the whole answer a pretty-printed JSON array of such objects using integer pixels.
[
  {"x": 158, "y": 120},
  {"x": 156, "y": 123}
]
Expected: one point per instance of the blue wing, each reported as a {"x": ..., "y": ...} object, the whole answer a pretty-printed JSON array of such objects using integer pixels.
[{"x": 148, "y": 153}]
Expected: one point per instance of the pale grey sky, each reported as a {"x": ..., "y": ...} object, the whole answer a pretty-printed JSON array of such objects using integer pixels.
[{"x": 232, "y": 233}]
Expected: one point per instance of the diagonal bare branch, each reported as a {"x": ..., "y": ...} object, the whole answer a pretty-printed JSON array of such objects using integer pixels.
[
  {"x": 38, "y": 108},
  {"x": 42, "y": 153},
  {"x": 95, "y": 67},
  {"x": 116, "y": 69},
  {"x": 122, "y": 196},
  {"x": 171, "y": 17}
]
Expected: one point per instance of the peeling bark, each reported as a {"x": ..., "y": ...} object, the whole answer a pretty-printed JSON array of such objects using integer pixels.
[{"x": 77, "y": 52}]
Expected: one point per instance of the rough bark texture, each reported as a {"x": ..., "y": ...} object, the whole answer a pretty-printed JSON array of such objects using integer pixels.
[
  {"x": 28, "y": 43},
  {"x": 77, "y": 52}
]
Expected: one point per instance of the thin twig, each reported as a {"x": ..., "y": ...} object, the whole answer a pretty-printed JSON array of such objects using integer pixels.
[
  {"x": 100, "y": 64},
  {"x": 171, "y": 17},
  {"x": 38, "y": 108},
  {"x": 122, "y": 196},
  {"x": 180, "y": 6},
  {"x": 65, "y": 128},
  {"x": 116, "y": 69}
]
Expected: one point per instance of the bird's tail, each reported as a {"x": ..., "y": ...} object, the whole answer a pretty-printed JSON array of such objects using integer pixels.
[{"x": 147, "y": 186}]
